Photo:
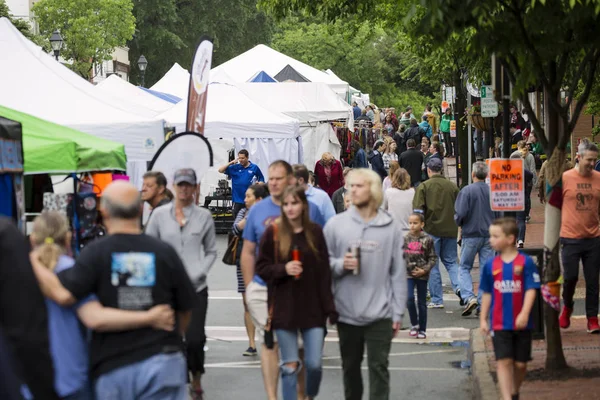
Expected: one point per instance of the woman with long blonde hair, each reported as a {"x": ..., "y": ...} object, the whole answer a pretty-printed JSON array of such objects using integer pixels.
[
  {"x": 398, "y": 199},
  {"x": 294, "y": 261},
  {"x": 51, "y": 241}
]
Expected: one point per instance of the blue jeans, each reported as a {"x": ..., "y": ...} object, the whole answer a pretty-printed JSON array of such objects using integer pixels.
[
  {"x": 472, "y": 246},
  {"x": 160, "y": 377},
  {"x": 522, "y": 224},
  {"x": 421, "y": 318},
  {"x": 313, "y": 352},
  {"x": 445, "y": 248}
]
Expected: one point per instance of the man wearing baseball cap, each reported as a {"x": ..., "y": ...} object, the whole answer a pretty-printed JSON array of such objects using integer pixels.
[
  {"x": 435, "y": 198},
  {"x": 191, "y": 231}
]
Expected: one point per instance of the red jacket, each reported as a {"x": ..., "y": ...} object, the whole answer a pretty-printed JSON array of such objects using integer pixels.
[{"x": 336, "y": 180}]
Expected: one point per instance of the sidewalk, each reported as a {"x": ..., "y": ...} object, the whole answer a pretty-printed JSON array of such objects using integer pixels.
[
  {"x": 581, "y": 380},
  {"x": 582, "y": 350}
]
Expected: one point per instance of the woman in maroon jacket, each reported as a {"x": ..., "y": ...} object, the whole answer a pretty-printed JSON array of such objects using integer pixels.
[
  {"x": 329, "y": 173},
  {"x": 294, "y": 261}
]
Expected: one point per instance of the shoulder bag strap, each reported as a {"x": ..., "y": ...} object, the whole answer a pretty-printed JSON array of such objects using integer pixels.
[{"x": 276, "y": 250}]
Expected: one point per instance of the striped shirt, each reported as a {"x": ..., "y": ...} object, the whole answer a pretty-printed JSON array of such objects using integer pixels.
[{"x": 238, "y": 218}]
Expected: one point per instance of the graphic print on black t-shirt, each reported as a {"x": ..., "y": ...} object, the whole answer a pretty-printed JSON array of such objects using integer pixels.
[{"x": 134, "y": 274}]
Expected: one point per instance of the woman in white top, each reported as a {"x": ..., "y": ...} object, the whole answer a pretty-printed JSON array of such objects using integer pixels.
[
  {"x": 389, "y": 154},
  {"x": 398, "y": 199}
]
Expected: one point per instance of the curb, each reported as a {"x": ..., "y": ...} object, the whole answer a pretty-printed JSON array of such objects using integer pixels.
[{"x": 483, "y": 385}]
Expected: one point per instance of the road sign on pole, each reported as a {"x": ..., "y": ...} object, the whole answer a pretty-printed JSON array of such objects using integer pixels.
[
  {"x": 489, "y": 106},
  {"x": 507, "y": 184},
  {"x": 450, "y": 94}
]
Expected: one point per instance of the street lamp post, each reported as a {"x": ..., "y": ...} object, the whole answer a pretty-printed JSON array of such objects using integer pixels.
[
  {"x": 142, "y": 64},
  {"x": 56, "y": 41}
]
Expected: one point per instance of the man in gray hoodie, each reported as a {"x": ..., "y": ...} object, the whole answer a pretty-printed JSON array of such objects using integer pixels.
[
  {"x": 370, "y": 288},
  {"x": 191, "y": 231}
]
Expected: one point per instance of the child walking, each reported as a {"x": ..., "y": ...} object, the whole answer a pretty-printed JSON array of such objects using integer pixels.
[
  {"x": 509, "y": 282},
  {"x": 420, "y": 257}
]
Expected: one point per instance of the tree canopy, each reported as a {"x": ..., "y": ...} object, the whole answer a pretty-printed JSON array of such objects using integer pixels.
[
  {"x": 168, "y": 31},
  {"x": 91, "y": 30},
  {"x": 365, "y": 55},
  {"x": 563, "y": 58}
]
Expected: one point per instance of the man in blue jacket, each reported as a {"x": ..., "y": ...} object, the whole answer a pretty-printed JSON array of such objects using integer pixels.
[{"x": 473, "y": 213}]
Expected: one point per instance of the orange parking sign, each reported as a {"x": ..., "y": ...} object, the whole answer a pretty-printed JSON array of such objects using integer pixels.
[{"x": 507, "y": 184}]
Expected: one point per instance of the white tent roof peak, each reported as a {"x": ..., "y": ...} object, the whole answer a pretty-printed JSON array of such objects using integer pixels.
[
  {"x": 176, "y": 82},
  {"x": 263, "y": 58}
]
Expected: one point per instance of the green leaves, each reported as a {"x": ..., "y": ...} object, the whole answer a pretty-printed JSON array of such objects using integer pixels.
[
  {"x": 365, "y": 54},
  {"x": 23, "y": 26},
  {"x": 91, "y": 30},
  {"x": 168, "y": 31}
]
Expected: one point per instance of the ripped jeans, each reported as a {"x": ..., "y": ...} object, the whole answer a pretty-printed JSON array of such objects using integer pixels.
[{"x": 313, "y": 351}]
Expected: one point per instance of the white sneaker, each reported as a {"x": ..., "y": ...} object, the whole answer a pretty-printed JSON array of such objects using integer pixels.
[
  {"x": 520, "y": 244},
  {"x": 435, "y": 305},
  {"x": 414, "y": 330},
  {"x": 471, "y": 305}
]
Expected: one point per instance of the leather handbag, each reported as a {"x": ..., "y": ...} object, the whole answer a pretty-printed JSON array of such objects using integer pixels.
[{"x": 231, "y": 255}]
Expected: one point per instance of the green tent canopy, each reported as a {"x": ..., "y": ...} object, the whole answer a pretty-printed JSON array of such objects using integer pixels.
[{"x": 50, "y": 148}]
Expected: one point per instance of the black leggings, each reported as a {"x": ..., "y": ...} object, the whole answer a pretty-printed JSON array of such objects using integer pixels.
[{"x": 195, "y": 336}]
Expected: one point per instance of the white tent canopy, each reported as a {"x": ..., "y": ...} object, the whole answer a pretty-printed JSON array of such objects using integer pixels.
[
  {"x": 176, "y": 82},
  {"x": 310, "y": 103},
  {"x": 33, "y": 82},
  {"x": 263, "y": 58},
  {"x": 232, "y": 114},
  {"x": 232, "y": 118},
  {"x": 118, "y": 87}
]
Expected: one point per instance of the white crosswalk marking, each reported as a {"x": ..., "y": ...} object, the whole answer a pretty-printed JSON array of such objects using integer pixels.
[
  {"x": 436, "y": 335},
  {"x": 256, "y": 364}
]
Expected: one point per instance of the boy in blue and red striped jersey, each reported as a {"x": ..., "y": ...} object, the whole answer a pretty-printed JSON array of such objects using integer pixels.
[{"x": 508, "y": 282}]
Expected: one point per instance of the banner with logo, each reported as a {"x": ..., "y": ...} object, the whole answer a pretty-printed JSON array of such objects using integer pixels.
[{"x": 198, "y": 90}]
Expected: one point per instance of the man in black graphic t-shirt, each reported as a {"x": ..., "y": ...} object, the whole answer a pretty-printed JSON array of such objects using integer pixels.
[{"x": 130, "y": 271}]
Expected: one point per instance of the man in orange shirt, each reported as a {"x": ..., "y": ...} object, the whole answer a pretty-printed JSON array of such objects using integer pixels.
[{"x": 580, "y": 234}]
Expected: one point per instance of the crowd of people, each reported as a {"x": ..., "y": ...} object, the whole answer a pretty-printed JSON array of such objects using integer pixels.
[{"x": 352, "y": 247}]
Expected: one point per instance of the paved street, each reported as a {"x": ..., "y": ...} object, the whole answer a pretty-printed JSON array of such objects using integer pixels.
[{"x": 423, "y": 370}]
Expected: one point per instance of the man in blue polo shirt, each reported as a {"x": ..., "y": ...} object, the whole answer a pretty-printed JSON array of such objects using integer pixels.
[
  {"x": 260, "y": 216},
  {"x": 243, "y": 173}
]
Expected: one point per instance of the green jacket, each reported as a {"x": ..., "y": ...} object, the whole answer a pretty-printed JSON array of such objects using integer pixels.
[
  {"x": 445, "y": 123},
  {"x": 435, "y": 198}
]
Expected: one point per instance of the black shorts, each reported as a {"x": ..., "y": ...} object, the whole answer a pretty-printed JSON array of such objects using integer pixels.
[{"x": 515, "y": 345}]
